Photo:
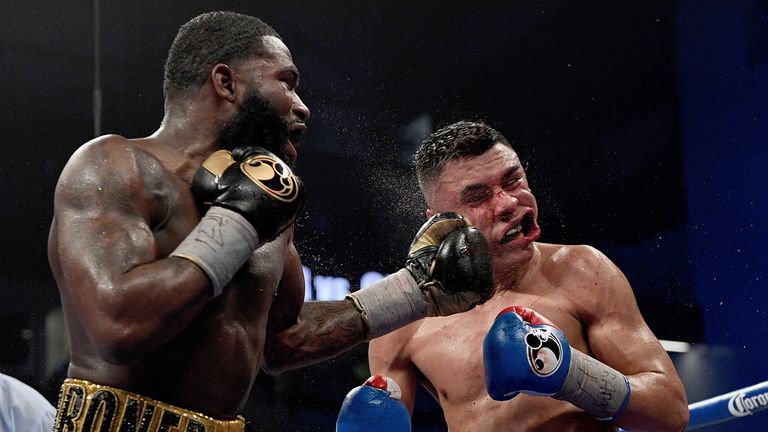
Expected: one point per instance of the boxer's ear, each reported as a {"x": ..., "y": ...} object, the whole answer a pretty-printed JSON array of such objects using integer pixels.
[{"x": 223, "y": 79}]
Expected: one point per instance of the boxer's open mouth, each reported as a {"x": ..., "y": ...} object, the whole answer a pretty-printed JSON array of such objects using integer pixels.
[
  {"x": 527, "y": 223},
  {"x": 294, "y": 140},
  {"x": 520, "y": 230},
  {"x": 295, "y": 137}
]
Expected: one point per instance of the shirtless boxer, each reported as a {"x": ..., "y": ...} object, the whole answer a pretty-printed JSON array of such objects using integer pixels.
[
  {"x": 174, "y": 253},
  {"x": 472, "y": 169}
]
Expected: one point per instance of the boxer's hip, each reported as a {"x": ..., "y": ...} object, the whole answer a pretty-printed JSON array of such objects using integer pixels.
[{"x": 88, "y": 407}]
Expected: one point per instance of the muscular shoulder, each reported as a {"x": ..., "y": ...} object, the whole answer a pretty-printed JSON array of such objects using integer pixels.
[
  {"x": 108, "y": 168},
  {"x": 576, "y": 262},
  {"x": 107, "y": 154},
  {"x": 591, "y": 279}
]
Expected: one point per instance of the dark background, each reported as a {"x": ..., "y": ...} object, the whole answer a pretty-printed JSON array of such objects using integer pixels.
[{"x": 641, "y": 124}]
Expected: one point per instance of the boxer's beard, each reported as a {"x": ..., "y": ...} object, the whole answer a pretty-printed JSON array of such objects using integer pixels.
[{"x": 256, "y": 124}]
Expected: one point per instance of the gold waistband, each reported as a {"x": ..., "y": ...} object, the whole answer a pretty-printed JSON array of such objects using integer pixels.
[{"x": 89, "y": 407}]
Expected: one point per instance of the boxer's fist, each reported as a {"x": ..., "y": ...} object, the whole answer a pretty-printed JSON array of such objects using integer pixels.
[
  {"x": 523, "y": 352},
  {"x": 205, "y": 184},
  {"x": 374, "y": 406},
  {"x": 254, "y": 183},
  {"x": 448, "y": 270},
  {"x": 451, "y": 264}
]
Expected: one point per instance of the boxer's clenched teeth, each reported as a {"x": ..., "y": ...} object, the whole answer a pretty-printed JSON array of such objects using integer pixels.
[
  {"x": 512, "y": 233},
  {"x": 521, "y": 229}
]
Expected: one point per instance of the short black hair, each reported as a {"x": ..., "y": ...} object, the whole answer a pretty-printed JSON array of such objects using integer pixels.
[
  {"x": 208, "y": 39},
  {"x": 460, "y": 139}
]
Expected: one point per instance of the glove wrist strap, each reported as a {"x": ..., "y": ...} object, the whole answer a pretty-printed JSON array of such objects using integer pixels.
[
  {"x": 220, "y": 244},
  {"x": 390, "y": 303},
  {"x": 594, "y": 387}
]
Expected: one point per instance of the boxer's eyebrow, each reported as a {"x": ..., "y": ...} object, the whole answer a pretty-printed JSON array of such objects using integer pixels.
[{"x": 511, "y": 172}]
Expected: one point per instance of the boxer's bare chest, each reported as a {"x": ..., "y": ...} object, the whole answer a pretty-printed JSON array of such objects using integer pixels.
[
  {"x": 449, "y": 353},
  {"x": 219, "y": 353},
  {"x": 453, "y": 343}
]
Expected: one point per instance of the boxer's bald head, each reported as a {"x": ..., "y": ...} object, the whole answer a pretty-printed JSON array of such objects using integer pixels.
[
  {"x": 458, "y": 140},
  {"x": 208, "y": 39}
]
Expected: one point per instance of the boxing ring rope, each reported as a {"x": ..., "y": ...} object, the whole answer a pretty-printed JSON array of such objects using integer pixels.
[{"x": 729, "y": 406}]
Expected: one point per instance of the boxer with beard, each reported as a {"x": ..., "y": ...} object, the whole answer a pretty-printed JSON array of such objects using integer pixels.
[
  {"x": 174, "y": 253},
  {"x": 257, "y": 122}
]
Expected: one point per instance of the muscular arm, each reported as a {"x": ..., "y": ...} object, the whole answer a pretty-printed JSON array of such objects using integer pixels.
[
  {"x": 299, "y": 333},
  {"x": 389, "y": 356},
  {"x": 619, "y": 337},
  {"x": 128, "y": 299}
]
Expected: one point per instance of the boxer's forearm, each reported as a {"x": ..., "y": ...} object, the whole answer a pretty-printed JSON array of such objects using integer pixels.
[
  {"x": 656, "y": 404},
  {"x": 324, "y": 329},
  {"x": 144, "y": 308}
]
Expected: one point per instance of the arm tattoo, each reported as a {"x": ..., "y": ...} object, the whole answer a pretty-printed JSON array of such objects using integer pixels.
[{"x": 326, "y": 329}]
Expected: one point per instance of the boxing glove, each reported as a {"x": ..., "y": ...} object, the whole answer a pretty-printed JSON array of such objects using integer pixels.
[
  {"x": 205, "y": 183},
  {"x": 252, "y": 197},
  {"x": 449, "y": 260},
  {"x": 372, "y": 407},
  {"x": 255, "y": 183},
  {"x": 523, "y": 352},
  {"x": 448, "y": 270}
]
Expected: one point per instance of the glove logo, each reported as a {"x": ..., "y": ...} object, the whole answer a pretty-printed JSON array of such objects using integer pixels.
[
  {"x": 273, "y": 176},
  {"x": 545, "y": 351}
]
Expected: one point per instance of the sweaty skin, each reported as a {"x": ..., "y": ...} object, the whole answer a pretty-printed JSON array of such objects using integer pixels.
[
  {"x": 146, "y": 323},
  {"x": 576, "y": 287}
]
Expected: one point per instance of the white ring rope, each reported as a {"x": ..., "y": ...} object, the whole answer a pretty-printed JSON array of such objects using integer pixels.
[{"x": 739, "y": 403}]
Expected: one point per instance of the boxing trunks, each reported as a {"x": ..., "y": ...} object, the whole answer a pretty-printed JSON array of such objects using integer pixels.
[{"x": 89, "y": 407}]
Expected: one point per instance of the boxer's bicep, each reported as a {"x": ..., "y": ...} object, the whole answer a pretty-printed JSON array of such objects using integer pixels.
[
  {"x": 284, "y": 312},
  {"x": 617, "y": 333},
  {"x": 98, "y": 232},
  {"x": 389, "y": 356},
  {"x": 619, "y": 337},
  {"x": 106, "y": 260},
  {"x": 299, "y": 333},
  {"x": 289, "y": 297}
]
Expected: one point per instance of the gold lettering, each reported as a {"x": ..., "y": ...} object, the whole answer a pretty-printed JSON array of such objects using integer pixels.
[
  {"x": 101, "y": 412},
  {"x": 129, "y": 421},
  {"x": 169, "y": 420},
  {"x": 70, "y": 404},
  {"x": 194, "y": 426}
]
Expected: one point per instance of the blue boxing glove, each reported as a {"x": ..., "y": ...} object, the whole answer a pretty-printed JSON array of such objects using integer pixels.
[
  {"x": 374, "y": 406},
  {"x": 525, "y": 353}
]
